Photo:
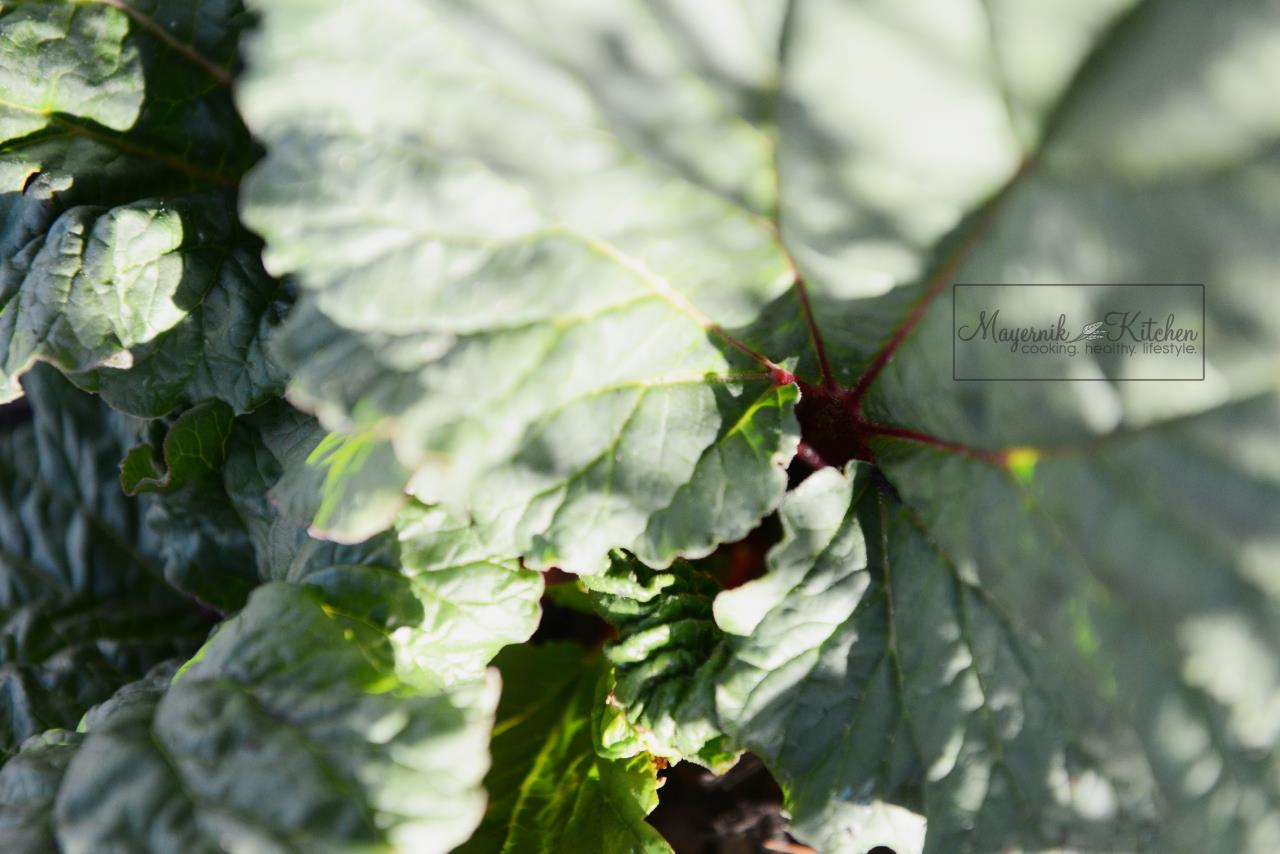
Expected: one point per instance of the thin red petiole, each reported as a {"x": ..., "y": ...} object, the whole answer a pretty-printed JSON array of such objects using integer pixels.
[
  {"x": 779, "y": 374},
  {"x": 938, "y": 283},
  {"x": 995, "y": 458},
  {"x": 815, "y": 335}
]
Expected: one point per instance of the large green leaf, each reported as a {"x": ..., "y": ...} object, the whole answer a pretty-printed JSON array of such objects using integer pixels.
[
  {"x": 576, "y": 204},
  {"x": 878, "y": 181},
  {"x": 290, "y": 730},
  {"x": 549, "y": 790},
  {"x": 1149, "y": 557},
  {"x": 875, "y": 679},
  {"x": 83, "y": 607},
  {"x": 428, "y": 315},
  {"x": 1133, "y": 524},
  {"x": 120, "y": 253}
]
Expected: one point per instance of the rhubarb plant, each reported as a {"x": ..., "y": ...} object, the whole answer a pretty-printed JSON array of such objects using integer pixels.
[{"x": 344, "y": 345}]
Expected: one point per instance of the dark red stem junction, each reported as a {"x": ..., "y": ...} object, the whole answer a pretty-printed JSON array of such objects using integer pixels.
[
  {"x": 834, "y": 430},
  {"x": 833, "y": 427}
]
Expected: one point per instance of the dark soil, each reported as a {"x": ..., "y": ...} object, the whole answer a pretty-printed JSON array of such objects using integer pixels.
[{"x": 739, "y": 812}]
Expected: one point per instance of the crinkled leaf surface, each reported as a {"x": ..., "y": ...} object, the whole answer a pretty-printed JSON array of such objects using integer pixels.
[
  {"x": 120, "y": 151},
  {"x": 549, "y": 790},
  {"x": 470, "y": 602},
  {"x": 83, "y": 607},
  {"x": 328, "y": 689},
  {"x": 866, "y": 668},
  {"x": 28, "y": 784},
  {"x": 457, "y": 277},
  {"x": 289, "y": 730},
  {"x": 665, "y": 661}
]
